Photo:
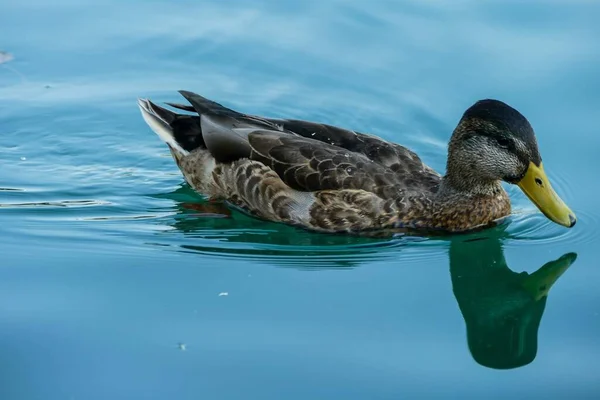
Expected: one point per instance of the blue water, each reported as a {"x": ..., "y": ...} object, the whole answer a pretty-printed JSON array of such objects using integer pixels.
[{"x": 113, "y": 285}]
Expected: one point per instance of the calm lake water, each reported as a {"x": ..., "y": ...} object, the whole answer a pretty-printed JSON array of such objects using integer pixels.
[{"x": 113, "y": 285}]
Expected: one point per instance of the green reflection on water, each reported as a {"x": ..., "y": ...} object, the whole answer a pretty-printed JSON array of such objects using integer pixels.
[{"x": 502, "y": 308}]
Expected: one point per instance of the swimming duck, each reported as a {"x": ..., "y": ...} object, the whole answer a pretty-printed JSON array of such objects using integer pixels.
[{"x": 331, "y": 179}]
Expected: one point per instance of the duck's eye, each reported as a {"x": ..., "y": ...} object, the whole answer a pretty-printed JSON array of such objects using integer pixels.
[{"x": 503, "y": 142}]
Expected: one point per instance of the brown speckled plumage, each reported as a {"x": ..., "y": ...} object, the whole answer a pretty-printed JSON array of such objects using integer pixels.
[{"x": 332, "y": 179}]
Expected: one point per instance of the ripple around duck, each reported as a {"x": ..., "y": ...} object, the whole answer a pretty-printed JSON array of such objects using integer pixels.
[
  {"x": 316, "y": 257},
  {"x": 54, "y": 204},
  {"x": 242, "y": 237},
  {"x": 535, "y": 227},
  {"x": 530, "y": 225},
  {"x": 197, "y": 226}
]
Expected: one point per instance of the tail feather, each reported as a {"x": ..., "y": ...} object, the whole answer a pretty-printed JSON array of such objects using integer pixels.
[
  {"x": 183, "y": 107},
  {"x": 159, "y": 124},
  {"x": 209, "y": 124},
  {"x": 180, "y": 131},
  {"x": 164, "y": 114},
  {"x": 202, "y": 105}
]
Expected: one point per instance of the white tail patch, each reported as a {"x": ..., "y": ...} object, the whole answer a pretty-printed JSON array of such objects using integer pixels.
[{"x": 159, "y": 126}]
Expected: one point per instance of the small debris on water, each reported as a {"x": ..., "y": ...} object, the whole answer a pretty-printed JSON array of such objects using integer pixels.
[
  {"x": 181, "y": 346},
  {"x": 23, "y": 158},
  {"x": 5, "y": 57},
  {"x": 223, "y": 294}
]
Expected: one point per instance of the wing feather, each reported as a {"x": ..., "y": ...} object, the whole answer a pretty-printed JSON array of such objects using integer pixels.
[
  {"x": 311, "y": 156},
  {"x": 310, "y": 165}
]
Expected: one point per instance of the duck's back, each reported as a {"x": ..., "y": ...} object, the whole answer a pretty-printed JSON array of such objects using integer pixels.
[
  {"x": 285, "y": 143},
  {"x": 340, "y": 171}
]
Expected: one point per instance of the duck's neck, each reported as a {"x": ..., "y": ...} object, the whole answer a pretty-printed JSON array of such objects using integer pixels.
[
  {"x": 468, "y": 204},
  {"x": 464, "y": 178},
  {"x": 458, "y": 186}
]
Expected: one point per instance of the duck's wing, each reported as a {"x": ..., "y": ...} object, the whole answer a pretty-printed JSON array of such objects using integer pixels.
[
  {"x": 311, "y": 165},
  {"x": 404, "y": 163},
  {"x": 302, "y": 163},
  {"x": 394, "y": 156},
  {"x": 310, "y": 156},
  {"x": 385, "y": 153}
]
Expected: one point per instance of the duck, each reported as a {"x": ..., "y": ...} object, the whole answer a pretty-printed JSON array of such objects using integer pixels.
[{"x": 332, "y": 179}]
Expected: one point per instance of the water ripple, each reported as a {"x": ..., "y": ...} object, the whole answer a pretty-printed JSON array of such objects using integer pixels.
[
  {"x": 242, "y": 237},
  {"x": 535, "y": 228},
  {"x": 63, "y": 203},
  {"x": 530, "y": 227},
  {"x": 315, "y": 256}
]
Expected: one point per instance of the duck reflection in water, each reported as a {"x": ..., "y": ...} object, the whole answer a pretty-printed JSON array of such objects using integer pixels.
[{"x": 502, "y": 309}]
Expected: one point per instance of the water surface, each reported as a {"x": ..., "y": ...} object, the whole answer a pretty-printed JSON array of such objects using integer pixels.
[{"x": 114, "y": 284}]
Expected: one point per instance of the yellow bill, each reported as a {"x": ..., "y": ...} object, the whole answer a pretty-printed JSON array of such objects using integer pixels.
[{"x": 537, "y": 187}]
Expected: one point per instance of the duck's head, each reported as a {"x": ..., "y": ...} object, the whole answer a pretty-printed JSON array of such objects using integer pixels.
[{"x": 494, "y": 142}]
